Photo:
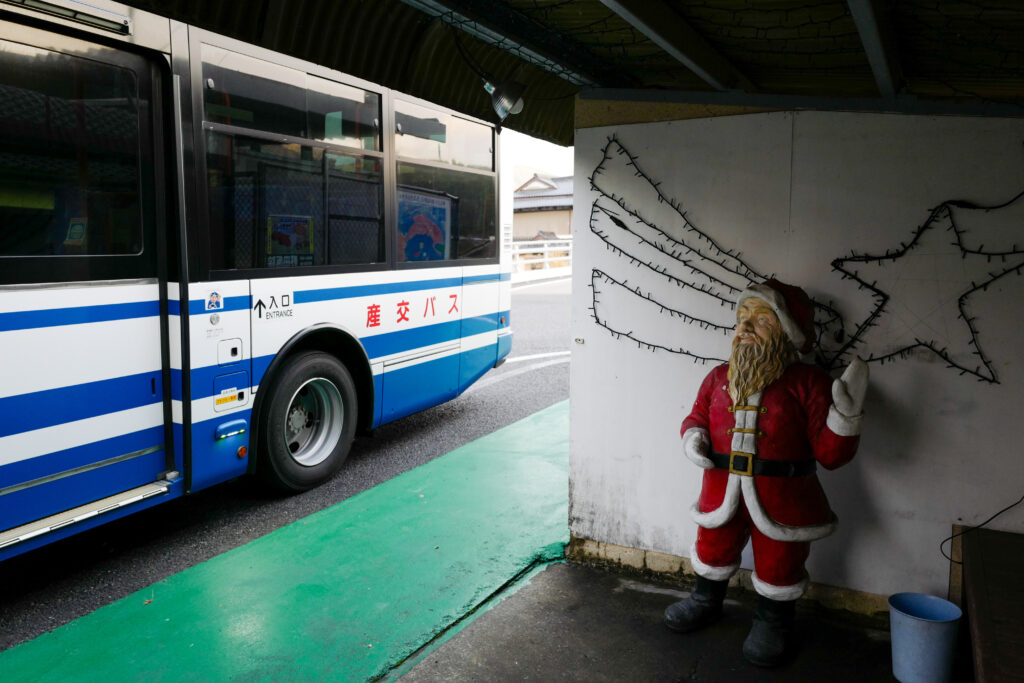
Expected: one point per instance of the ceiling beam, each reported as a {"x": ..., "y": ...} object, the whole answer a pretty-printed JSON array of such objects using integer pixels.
[
  {"x": 669, "y": 31},
  {"x": 900, "y": 104},
  {"x": 505, "y": 28},
  {"x": 876, "y": 37}
]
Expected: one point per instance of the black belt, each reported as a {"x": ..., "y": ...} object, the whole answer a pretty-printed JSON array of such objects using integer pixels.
[{"x": 750, "y": 465}]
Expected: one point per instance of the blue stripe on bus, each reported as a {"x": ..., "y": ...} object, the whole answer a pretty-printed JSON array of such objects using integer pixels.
[
  {"x": 35, "y": 503},
  {"x": 78, "y": 456},
  {"x": 231, "y": 303},
  {"x": 25, "y": 412},
  {"x": 480, "y": 324},
  {"x": 56, "y": 317},
  {"x": 506, "y": 277},
  {"x": 473, "y": 279},
  {"x": 332, "y": 293},
  {"x": 375, "y": 346},
  {"x": 173, "y": 307},
  {"x": 407, "y": 340}
]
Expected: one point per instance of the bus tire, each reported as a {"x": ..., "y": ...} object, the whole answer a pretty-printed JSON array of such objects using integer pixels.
[{"x": 307, "y": 422}]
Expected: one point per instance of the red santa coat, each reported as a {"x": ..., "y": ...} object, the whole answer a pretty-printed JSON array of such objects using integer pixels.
[{"x": 793, "y": 419}]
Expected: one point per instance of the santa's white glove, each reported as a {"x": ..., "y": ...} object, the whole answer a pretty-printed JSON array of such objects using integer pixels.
[
  {"x": 695, "y": 445},
  {"x": 848, "y": 393}
]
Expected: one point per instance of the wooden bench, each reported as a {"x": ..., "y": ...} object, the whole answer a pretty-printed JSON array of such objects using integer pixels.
[{"x": 993, "y": 585}]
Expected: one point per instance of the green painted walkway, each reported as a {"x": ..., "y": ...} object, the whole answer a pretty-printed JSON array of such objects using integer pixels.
[{"x": 345, "y": 594}]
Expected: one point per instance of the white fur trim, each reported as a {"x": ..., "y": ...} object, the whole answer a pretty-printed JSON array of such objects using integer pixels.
[
  {"x": 842, "y": 425},
  {"x": 780, "y": 532},
  {"x": 708, "y": 571},
  {"x": 778, "y": 304},
  {"x": 724, "y": 512},
  {"x": 692, "y": 437},
  {"x": 781, "y": 593}
]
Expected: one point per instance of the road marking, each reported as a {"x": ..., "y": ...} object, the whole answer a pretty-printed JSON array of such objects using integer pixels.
[
  {"x": 492, "y": 379},
  {"x": 518, "y": 359},
  {"x": 516, "y": 288}
]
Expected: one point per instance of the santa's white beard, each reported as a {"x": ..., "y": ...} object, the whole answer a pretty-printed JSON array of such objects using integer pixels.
[{"x": 752, "y": 367}]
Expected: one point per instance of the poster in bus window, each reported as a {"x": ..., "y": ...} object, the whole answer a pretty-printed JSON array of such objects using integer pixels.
[
  {"x": 289, "y": 241},
  {"x": 424, "y": 224}
]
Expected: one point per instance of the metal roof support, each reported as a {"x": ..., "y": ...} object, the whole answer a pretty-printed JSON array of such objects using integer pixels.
[
  {"x": 900, "y": 104},
  {"x": 674, "y": 35},
  {"x": 875, "y": 36},
  {"x": 503, "y": 27}
]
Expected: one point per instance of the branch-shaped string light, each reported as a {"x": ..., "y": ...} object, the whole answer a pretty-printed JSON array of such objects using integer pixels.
[
  {"x": 721, "y": 255},
  {"x": 696, "y": 260},
  {"x": 598, "y": 276}
]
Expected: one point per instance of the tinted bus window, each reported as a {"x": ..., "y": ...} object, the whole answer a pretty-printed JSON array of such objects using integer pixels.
[
  {"x": 445, "y": 214},
  {"x": 270, "y": 206},
  {"x": 247, "y": 92},
  {"x": 342, "y": 115},
  {"x": 69, "y": 155},
  {"x": 428, "y": 135}
]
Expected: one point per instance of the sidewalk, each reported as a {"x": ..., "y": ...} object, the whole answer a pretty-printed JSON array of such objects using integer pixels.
[
  {"x": 576, "y": 623},
  {"x": 346, "y": 594}
]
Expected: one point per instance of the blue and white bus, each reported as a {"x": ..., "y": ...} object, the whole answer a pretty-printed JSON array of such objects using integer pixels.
[{"x": 216, "y": 260}]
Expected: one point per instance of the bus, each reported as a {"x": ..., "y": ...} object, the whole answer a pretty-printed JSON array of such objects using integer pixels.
[{"x": 217, "y": 260}]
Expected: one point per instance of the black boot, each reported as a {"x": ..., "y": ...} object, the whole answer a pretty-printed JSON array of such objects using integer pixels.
[
  {"x": 770, "y": 641},
  {"x": 700, "y": 609}
]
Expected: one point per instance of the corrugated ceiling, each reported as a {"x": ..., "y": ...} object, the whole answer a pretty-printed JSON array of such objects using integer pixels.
[{"x": 969, "y": 51}]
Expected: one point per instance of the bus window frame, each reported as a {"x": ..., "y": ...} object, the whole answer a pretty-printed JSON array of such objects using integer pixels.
[
  {"x": 152, "y": 78},
  {"x": 200, "y": 266},
  {"x": 493, "y": 173}
]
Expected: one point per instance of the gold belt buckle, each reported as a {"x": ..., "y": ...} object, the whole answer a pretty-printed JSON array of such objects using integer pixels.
[{"x": 747, "y": 470}]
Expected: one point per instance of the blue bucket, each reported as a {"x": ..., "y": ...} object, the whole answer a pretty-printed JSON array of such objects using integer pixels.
[{"x": 923, "y": 630}]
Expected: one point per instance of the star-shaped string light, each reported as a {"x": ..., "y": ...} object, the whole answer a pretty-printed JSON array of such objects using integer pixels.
[{"x": 928, "y": 262}]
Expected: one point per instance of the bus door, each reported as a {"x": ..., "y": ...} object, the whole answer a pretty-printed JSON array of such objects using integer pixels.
[{"x": 85, "y": 401}]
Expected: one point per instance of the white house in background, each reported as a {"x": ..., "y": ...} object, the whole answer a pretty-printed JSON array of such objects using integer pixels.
[{"x": 542, "y": 208}]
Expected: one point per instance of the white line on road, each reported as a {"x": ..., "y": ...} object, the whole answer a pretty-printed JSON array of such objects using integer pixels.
[
  {"x": 516, "y": 288},
  {"x": 492, "y": 379},
  {"x": 553, "y": 354}
]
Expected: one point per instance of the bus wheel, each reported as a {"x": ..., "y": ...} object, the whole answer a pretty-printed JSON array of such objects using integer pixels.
[{"x": 307, "y": 422}]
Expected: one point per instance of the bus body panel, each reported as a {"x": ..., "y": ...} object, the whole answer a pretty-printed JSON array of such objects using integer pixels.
[
  {"x": 92, "y": 424},
  {"x": 221, "y": 371}
]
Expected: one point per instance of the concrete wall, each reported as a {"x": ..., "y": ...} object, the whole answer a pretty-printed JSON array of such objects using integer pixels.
[{"x": 793, "y": 192}]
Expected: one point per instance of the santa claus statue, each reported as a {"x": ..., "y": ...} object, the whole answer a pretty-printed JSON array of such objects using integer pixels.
[{"x": 761, "y": 425}]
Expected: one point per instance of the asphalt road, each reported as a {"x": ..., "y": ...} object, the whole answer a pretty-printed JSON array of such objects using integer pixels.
[{"x": 53, "y": 585}]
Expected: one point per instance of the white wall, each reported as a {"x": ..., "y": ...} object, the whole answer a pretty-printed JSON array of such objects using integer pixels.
[{"x": 793, "y": 192}]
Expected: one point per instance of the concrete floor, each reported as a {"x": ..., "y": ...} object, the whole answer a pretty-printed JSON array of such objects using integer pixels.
[{"x": 577, "y": 623}]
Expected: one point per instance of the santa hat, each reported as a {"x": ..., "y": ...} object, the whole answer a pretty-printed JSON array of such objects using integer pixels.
[{"x": 792, "y": 306}]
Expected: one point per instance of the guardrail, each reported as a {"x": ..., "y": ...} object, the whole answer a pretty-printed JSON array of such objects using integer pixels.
[{"x": 542, "y": 255}]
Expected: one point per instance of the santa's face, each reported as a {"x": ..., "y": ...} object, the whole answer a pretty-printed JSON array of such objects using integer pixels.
[{"x": 755, "y": 321}]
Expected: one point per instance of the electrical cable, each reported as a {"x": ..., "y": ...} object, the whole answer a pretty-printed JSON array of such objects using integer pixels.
[{"x": 972, "y": 528}]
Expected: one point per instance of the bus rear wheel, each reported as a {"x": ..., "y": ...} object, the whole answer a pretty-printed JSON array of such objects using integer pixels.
[{"x": 307, "y": 422}]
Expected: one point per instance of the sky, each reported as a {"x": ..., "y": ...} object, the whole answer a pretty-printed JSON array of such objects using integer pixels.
[{"x": 530, "y": 155}]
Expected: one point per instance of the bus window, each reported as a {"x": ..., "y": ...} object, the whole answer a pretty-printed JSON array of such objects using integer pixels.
[
  {"x": 69, "y": 155},
  {"x": 447, "y": 193},
  {"x": 242, "y": 91},
  {"x": 428, "y": 135},
  {"x": 268, "y": 207},
  {"x": 445, "y": 214},
  {"x": 342, "y": 114},
  {"x": 355, "y": 221}
]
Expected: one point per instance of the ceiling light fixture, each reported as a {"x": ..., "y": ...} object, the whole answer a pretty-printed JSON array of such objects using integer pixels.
[{"x": 507, "y": 98}]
